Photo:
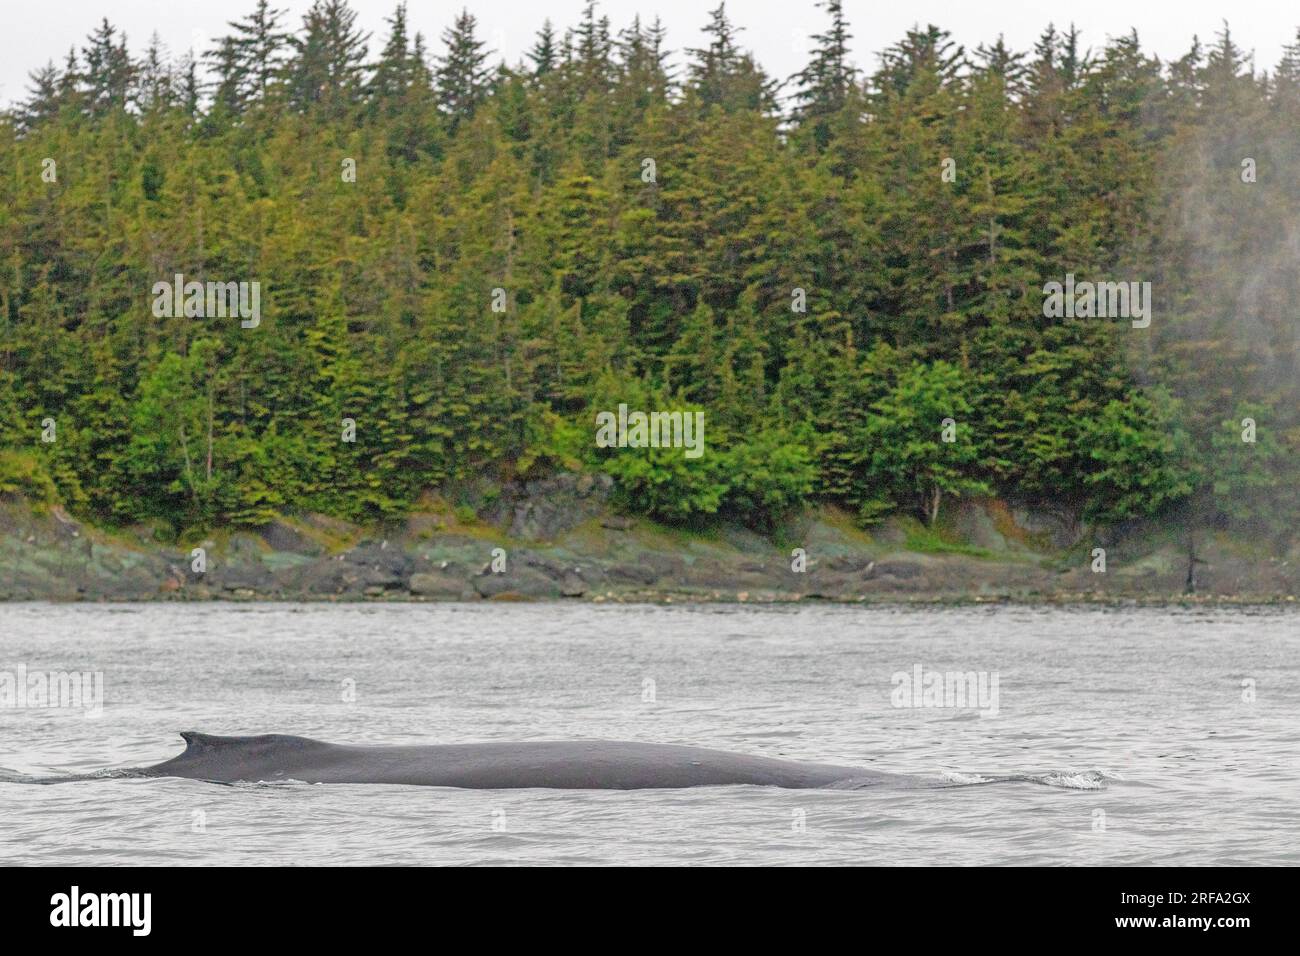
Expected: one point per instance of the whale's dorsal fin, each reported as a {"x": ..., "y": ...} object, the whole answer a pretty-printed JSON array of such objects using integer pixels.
[{"x": 196, "y": 742}]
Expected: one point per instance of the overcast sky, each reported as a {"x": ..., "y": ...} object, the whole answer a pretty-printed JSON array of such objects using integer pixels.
[{"x": 776, "y": 30}]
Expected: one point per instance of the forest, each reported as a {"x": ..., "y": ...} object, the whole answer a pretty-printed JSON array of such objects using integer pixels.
[{"x": 462, "y": 262}]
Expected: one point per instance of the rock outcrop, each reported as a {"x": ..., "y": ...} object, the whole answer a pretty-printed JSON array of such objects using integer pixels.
[{"x": 558, "y": 540}]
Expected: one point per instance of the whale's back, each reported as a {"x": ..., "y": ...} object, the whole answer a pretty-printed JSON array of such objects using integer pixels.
[{"x": 575, "y": 764}]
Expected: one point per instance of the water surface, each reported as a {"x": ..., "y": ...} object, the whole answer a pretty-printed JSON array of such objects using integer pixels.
[{"x": 1132, "y": 721}]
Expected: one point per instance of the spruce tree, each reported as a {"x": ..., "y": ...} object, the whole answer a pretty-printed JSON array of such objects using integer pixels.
[{"x": 461, "y": 76}]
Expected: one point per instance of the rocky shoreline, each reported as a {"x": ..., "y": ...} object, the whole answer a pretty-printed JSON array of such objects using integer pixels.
[{"x": 559, "y": 540}]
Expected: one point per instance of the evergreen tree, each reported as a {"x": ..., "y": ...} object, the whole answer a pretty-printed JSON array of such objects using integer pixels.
[
  {"x": 109, "y": 71},
  {"x": 42, "y": 102},
  {"x": 825, "y": 83},
  {"x": 260, "y": 46},
  {"x": 401, "y": 80},
  {"x": 544, "y": 53},
  {"x": 461, "y": 75},
  {"x": 325, "y": 71},
  {"x": 155, "y": 79},
  {"x": 721, "y": 75},
  {"x": 229, "y": 88}
]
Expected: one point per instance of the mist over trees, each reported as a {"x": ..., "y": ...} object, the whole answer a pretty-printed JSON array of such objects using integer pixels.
[{"x": 914, "y": 207}]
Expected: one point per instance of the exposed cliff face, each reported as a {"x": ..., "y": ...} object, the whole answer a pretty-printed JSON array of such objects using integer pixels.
[{"x": 559, "y": 540}]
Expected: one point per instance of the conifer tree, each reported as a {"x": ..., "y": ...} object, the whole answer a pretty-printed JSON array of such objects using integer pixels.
[
  {"x": 824, "y": 85},
  {"x": 109, "y": 72},
  {"x": 325, "y": 71},
  {"x": 261, "y": 47},
  {"x": 544, "y": 51},
  {"x": 461, "y": 75}
]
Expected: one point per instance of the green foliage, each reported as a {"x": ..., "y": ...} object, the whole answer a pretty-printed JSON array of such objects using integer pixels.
[
  {"x": 930, "y": 540},
  {"x": 171, "y": 451},
  {"x": 1249, "y": 482},
  {"x": 1143, "y": 457},
  {"x": 664, "y": 484},
  {"x": 23, "y": 473},
  {"x": 919, "y": 443},
  {"x": 768, "y": 476},
  {"x": 811, "y": 282}
]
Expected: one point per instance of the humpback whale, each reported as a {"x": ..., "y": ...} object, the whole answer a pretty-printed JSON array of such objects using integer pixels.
[{"x": 578, "y": 764}]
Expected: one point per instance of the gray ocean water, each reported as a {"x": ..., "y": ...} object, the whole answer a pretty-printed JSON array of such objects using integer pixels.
[{"x": 1147, "y": 736}]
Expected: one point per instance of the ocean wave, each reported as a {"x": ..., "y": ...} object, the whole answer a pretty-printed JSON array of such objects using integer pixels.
[
  {"x": 964, "y": 779},
  {"x": 15, "y": 776},
  {"x": 1061, "y": 779}
]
